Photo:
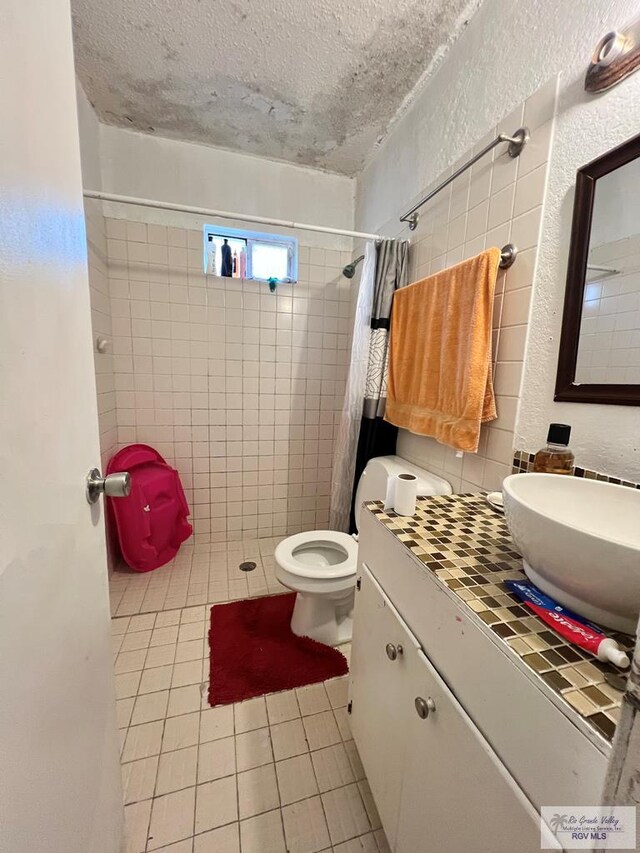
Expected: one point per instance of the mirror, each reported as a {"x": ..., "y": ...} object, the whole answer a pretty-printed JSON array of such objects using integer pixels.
[{"x": 599, "y": 360}]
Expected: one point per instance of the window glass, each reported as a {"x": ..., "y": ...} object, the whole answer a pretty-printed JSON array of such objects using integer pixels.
[
  {"x": 269, "y": 260},
  {"x": 233, "y": 253},
  {"x": 216, "y": 244}
]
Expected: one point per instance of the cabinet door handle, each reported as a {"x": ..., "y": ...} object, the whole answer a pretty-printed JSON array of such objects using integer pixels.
[
  {"x": 424, "y": 707},
  {"x": 394, "y": 652}
]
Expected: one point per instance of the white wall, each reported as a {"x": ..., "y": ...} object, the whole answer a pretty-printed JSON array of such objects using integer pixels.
[
  {"x": 152, "y": 167},
  {"x": 89, "y": 129},
  {"x": 605, "y": 438},
  {"x": 508, "y": 50}
]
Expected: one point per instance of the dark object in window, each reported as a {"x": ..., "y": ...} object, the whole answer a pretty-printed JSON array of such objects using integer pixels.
[{"x": 227, "y": 262}]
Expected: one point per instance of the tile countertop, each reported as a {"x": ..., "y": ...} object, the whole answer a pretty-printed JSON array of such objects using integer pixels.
[{"x": 467, "y": 546}]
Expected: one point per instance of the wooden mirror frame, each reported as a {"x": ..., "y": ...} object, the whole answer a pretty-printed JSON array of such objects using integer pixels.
[{"x": 567, "y": 390}]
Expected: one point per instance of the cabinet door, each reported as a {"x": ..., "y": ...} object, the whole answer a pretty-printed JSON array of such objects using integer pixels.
[
  {"x": 456, "y": 793},
  {"x": 380, "y": 708}
]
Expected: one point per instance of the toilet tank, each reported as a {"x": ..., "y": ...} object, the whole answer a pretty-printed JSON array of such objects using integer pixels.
[{"x": 373, "y": 482}]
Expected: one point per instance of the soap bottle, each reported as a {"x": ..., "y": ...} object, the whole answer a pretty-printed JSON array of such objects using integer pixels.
[
  {"x": 211, "y": 258},
  {"x": 556, "y": 457}
]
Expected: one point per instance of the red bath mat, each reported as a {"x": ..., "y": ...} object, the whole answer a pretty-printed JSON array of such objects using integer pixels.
[{"x": 253, "y": 651}]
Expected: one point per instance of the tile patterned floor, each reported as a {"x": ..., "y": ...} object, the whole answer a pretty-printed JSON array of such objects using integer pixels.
[
  {"x": 277, "y": 774},
  {"x": 200, "y": 574}
]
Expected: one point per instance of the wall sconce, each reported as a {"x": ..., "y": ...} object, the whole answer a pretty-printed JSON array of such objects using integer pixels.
[{"x": 616, "y": 56}]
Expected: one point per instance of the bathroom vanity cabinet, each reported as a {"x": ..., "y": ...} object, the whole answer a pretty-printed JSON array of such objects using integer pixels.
[
  {"x": 460, "y": 748},
  {"x": 437, "y": 783}
]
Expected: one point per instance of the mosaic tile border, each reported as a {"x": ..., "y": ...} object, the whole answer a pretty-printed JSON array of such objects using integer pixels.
[
  {"x": 523, "y": 464},
  {"x": 467, "y": 546}
]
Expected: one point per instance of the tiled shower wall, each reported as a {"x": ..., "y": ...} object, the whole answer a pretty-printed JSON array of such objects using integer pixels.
[
  {"x": 101, "y": 328},
  {"x": 496, "y": 202},
  {"x": 239, "y": 388}
]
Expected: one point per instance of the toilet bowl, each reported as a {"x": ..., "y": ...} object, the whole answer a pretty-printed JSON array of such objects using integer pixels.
[{"x": 321, "y": 565}]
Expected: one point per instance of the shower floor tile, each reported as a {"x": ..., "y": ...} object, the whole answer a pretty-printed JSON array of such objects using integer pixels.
[{"x": 200, "y": 574}]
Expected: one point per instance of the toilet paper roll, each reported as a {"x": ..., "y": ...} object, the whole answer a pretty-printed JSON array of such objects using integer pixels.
[
  {"x": 401, "y": 494},
  {"x": 406, "y": 493}
]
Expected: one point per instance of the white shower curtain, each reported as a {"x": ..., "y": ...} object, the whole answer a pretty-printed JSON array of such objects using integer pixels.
[{"x": 347, "y": 439}]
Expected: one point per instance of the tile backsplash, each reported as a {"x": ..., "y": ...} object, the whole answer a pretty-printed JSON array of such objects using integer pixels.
[
  {"x": 523, "y": 464},
  {"x": 239, "y": 388}
]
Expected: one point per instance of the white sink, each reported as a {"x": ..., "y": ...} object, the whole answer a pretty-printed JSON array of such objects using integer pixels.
[{"x": 580, "y": 542}]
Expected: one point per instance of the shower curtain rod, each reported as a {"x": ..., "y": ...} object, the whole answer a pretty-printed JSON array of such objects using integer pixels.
[{"x": 225, "y": 214}]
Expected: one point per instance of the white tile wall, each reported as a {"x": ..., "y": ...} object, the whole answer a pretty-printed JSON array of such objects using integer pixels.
[
  {"x": 609, "y": 349},
  {"x": 496, "y": 202},
  {"x": 237, "y": 387},
  {"x": 101, "y": 327}
]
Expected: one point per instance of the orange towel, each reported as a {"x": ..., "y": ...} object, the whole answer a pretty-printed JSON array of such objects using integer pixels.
[{"x": 440, "y": 353}]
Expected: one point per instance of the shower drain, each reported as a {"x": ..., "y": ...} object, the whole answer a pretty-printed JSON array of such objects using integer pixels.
[{"x": 247, "y": 567}]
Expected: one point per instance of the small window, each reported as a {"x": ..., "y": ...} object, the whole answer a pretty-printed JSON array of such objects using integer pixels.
[{"x": 232, "y": 253}]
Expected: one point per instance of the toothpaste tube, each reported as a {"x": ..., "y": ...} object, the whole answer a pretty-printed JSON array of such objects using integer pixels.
[
  {"x": 569, "y": 625},
  {"x": 529, "y": 592}
]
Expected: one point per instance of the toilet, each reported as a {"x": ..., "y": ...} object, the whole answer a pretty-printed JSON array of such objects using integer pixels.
[{"x": 320, "y": 565}]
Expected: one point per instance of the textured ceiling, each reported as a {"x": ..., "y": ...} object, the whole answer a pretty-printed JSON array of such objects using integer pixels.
[{"x": 315, "y": 83}]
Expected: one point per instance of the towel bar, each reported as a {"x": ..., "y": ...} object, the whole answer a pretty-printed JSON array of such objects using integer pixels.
[
  {"x": 508, "y": 254},
  {"x": 516, "y": 143}
]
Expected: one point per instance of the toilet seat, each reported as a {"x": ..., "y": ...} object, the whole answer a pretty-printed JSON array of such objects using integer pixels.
[
  {"x": 318, "y": 555},
  {"x": 321, "y": 565}
]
